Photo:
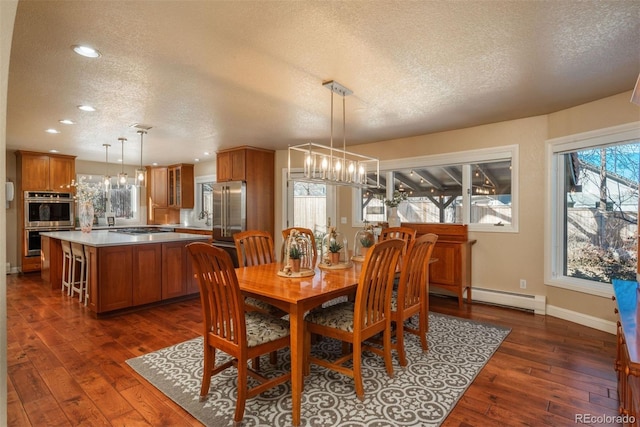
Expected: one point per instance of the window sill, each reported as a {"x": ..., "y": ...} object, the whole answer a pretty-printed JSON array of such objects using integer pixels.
[{"x": 604, "y": 290}]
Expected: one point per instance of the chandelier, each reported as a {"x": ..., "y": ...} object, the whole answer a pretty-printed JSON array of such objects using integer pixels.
[{"x": 328, "y": 164}]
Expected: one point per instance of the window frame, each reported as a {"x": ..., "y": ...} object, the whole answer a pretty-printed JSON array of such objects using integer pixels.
[
  {"x": 554, "y": 216},
  {"x": 135, "y": 200},
  {"x": 464, "y": 158}
]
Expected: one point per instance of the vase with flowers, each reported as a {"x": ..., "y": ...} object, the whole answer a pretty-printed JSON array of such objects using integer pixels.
[
  {"x": 392, "y": 204},
  {"x": 86, "y": 193}
]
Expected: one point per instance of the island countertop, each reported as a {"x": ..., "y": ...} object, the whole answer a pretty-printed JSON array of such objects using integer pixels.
[{"x": 104, "y": 238}]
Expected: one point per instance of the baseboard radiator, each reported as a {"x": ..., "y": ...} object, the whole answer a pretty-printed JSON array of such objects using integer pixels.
[{"x": 534, "y": 303}]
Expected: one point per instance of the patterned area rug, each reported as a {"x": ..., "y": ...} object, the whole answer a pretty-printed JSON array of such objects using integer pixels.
[{"x": 422, "y": 394}]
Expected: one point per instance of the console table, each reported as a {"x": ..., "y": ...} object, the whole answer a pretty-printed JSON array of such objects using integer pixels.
[
  {"x": 627, "y": 297},
  {"x": 452, "y": 272}
]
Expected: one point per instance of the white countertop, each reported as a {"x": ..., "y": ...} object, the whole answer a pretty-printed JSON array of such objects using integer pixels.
[{"x": 99, "y": 238}]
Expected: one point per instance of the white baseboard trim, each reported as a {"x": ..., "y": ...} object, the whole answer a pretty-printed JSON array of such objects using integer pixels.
[
  {"x": 535, "y": 303},
  {"x": 582, "y": 319}
]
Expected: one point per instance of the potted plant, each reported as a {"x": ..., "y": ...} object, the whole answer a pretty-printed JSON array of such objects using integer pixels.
[
  {"x": 334, "y": 252},
  {"x": 366, "y": 241},
  {"x": 295, "y": 254}
]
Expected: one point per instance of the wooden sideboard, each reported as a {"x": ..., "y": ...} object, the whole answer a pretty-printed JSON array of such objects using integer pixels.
[
  {"x": 452, "y": 272},
  {"x": 627, "y": 365}
]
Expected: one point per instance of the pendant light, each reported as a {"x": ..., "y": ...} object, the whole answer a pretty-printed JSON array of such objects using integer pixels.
[
  {"x": 140, "y": 172},
  {"x": 122, "y": 176},
  {"x": 106, "y": 179},
  {"x": 330, "y": 165}
]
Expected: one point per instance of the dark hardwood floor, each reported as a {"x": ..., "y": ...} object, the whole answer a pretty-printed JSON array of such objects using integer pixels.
[{"x": 66, "y": 368}]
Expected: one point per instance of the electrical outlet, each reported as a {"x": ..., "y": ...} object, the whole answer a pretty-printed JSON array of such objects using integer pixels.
[
  {"x": 343, "y": 220},
  {"x": 523, "y": 284}
]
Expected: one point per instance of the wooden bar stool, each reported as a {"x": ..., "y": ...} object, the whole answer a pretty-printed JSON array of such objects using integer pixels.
[
  {"x": 77, "y": 277},
  {"x": 67, "y": 265}
]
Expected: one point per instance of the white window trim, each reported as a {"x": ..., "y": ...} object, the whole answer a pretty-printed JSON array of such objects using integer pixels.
[
  {"x": 460, "y": 157},
  {"x": 553, "y": 228}
]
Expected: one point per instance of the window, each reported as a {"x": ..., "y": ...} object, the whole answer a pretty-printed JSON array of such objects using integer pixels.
[
  {"x": 120, "y": 202},
  {"x": 475, "y": 188},
  {"x": 204, "y": 198},
  {"x": 594, "y": 209}
]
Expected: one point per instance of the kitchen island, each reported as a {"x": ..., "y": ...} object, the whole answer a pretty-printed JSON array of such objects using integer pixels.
[{"x": 126, "y": 270}]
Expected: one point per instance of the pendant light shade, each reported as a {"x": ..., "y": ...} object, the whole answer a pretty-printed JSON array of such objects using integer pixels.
[
  {"x": 122, "y": 176},
  {"x": 141, "y": 173},
  {"x": 106, "y": 180}
]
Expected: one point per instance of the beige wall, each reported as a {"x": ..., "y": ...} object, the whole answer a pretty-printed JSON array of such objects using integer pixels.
[
  {"x": 500, "y": 260},
  {"x": 7, "y": 17}
]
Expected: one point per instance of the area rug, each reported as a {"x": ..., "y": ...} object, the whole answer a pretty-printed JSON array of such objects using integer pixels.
[{"x": 421, "y": 394}]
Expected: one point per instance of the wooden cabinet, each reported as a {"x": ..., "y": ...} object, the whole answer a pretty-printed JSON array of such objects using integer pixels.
[
  {"x": 231, "y": 165},
  {"x": 170, "y": 188},
  {"x": 256, "y": 167},
  {"x": 147, "y": 274},
  {"x": 115, "y": 264},
  {"x": 181, "y": 186},
  {"x": 39, "y": 172},
  {"x": 452, "y": 270},
  {"x": 44, "y": 172},
  {"x": 627, "y": 365}
]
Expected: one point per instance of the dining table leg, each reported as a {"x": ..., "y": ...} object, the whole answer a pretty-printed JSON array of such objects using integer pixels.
[{"x": 296, "y": 326}]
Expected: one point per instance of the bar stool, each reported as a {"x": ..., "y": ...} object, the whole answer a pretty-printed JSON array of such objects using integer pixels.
[
  {"x": 67, "y": 265},
  {"x": 77, "y": 280}
]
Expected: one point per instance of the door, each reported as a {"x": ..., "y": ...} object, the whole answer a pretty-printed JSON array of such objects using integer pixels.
[{"x": 310, "y": 205}]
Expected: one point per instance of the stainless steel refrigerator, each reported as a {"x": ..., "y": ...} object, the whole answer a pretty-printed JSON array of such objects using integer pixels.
[{"x": 229, "y": 209}]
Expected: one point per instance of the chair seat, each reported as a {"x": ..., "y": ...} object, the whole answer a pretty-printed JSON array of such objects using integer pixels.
[
  {"x": 263, "y": 306},
  {"x": 338, "y": 316},
  {"x": 263, "y": 328}
]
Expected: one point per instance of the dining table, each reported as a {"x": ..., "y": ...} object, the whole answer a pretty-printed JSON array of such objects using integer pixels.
[{"x": 297, "y": 294}]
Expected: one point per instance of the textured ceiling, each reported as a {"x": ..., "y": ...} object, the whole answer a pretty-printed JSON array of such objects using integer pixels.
[{"x": 216, "y": 74}]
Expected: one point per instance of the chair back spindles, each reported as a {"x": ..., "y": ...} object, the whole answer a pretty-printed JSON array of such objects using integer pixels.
[{"x": 254, "y": 247}]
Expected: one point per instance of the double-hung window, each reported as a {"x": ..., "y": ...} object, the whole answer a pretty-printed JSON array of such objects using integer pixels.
[{"x": 478, "y": 188}]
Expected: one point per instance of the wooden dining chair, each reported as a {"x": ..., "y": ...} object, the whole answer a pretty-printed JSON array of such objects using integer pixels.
[
  {"x": 368, "y": 315},
  {"x": 308, "y": 233},
  {"x": 229, "y": 328},
  {"x": 255, "y": 247},
  {"x": 403, "y": 233},
  {"x": 412, "y": 296}
]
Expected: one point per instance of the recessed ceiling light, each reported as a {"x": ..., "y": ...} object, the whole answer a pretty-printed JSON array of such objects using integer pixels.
[
  {"x": 196, "y": 160},
  {"x": 206, "y": 153},
  {"x": 52, "y": 130},
  {"x": 86, "y": 51},
  {"x": 67, "y": 122},
  {"x": 86, "y": 108},
  {"x": 155, "y": 163},
  {"x": 53, "y": 151}
]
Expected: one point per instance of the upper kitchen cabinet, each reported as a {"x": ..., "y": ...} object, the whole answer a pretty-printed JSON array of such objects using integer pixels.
[
  {"x": 45, "y": 172},
  {"x": 231, "y": 165},
  {"x": 256, "y": 167},
  {"x": 181, "y": 186}
]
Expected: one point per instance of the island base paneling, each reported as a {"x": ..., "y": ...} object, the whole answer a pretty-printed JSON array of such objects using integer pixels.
[{"x": 128, "y": 276}]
